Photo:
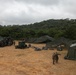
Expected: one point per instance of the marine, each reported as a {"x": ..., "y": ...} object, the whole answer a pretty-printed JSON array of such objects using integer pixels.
[{"x": 55, "y": 57}]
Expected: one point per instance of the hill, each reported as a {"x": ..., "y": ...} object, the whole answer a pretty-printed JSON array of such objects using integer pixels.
[{"x": 53, "y": 27}]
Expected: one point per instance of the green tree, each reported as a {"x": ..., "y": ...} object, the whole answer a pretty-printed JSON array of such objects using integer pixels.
[{"x": 71, "y": 32}]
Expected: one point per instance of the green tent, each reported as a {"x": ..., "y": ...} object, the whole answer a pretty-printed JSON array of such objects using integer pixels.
[
  {"x": 51, "y": 45},
  {"x": 58, "y": 42},
  {"x": 44, "y": 39},
  {"x": 31, "y": 40},
  {"x": 71, "y": 52},
  {"x": 62, "y": 41}
]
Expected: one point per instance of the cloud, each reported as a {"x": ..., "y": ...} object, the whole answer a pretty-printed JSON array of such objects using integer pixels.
[
  {"x": 40, "y": 2},
  {"x": 70, "y": 6},
  {"x": 30, "y": 11}
]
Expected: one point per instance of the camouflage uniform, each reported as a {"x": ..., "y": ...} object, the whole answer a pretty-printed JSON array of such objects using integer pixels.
[{"x": 55, "y": 57}]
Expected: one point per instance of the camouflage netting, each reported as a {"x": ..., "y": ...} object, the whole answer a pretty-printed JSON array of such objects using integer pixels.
[
  {"x": 5, "y": 41},
  {"x": 32, "y": 40},
  {"x": 44, "y": 39},
  {"x": 57, "y": 42}
]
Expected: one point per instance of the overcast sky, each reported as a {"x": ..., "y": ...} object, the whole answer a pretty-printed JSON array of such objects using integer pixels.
[{"x": 31, "y": 11}]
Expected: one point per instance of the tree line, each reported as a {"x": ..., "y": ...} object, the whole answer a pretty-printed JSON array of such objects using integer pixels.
[{"x": 53, "y": 27}]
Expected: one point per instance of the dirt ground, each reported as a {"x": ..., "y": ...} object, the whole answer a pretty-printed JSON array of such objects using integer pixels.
[{"x": 30, "y": 62}]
